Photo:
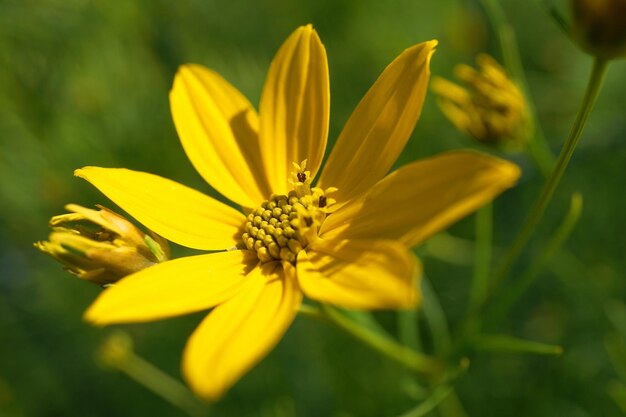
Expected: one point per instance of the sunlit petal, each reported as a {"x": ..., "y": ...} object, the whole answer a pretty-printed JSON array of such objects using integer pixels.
[
  {"x": 180, "y": 286},
  {"x": 178, "y": 213},
  {"x": 218, "y": 128},
  {"x": 236, "y": 335},
  {"x": 365, "y": 274},
  {"x": 380, "y": 126},
  {"x": 295, "y": 108},
  {"x": 422, "y": 198}
]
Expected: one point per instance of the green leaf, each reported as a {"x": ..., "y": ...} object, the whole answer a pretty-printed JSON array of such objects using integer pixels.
[{"x": 509, "y": 344}]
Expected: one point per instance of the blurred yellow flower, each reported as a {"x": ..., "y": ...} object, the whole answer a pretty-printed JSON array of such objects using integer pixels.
[
  {"x": 490, "y": 108},
  {"x": 343, "y": 242}
]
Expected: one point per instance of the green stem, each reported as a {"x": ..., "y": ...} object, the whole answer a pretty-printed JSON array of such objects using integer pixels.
[
  {"x": 506, "y": 300},
  {"x": 482, "y": 258},
  {"x": 505, "y": 343},
  {"x": 435, "y": 319},
  {"x": 617, "y": 391},
  {"x": 436, "y": 397},
  {"x": 384, "y": 345},
  {"x": 593, "y": 88},
  {"x": 162, "y": 384},
  {"x": 407, "y": 329},
  {"x": 452, "y": 406},
  {"x": 538, "y": 146}
]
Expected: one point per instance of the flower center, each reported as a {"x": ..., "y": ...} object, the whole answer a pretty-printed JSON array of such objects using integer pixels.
[{"x": 285, "y": 224}]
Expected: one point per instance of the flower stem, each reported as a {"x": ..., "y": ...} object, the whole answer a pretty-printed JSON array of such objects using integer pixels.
[
  {"x": 482, "y": 258},
  {"x": 436, "y": 397},
  {"x": 504, "y": 302},
  {"x": 408, "y": 332},
  {"x": 505, "y": 343},
  {"x": 388, "y": 347},
  {"x": 538, "y": 146},
  {"x": 435, "y": 319},
  {"x": 117, "y": 352},
  {"x": 163, "y": 385},
  {"x": 593, "y": 88}
]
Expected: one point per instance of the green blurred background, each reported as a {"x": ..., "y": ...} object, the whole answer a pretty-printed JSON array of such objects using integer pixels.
[{"x": 86, "y": 83}]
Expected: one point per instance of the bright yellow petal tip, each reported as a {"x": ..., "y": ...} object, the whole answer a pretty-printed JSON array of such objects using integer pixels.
[
  {"x": 176, "y": 212},
  {"x": 295, "y": 108},
  {"x": 380, "y": 126},
  {"x": 180, "y": 286},
  {"x": 236, "y": 335}
]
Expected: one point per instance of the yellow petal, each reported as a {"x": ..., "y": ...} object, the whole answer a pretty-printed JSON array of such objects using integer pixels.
[
  {"x": 380, "y": 126},
  {"x": 236, "y": 335},
  {"x": 422, "y": 198},
  {"x": 178, "y": 213},
  {"x": 172, "y": 288},
  {"x": 359, "y": 274},
  {"x": 294, "y": 108},
  {"x": 218, "y": 128}
]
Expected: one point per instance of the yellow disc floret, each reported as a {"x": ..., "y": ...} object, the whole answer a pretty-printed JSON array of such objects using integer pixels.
[{"x": 285, "y": 224}]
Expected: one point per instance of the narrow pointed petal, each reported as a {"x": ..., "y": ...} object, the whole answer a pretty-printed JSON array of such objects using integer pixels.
[
  {"x": 422, "y": 198},
  {"x": 178, "y": 213},
  {"x": 172, "y": 288},
  {"x": 218, "y": 128},
  {"x": 365, "y": 274},
  {"x": 380, "y": 126},
  {"x": 236, "y": 335},
  {"x": 295, "y": 108}
]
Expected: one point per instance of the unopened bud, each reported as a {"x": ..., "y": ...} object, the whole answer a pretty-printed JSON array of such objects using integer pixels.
[
  {"x": 115, "y": 350},
  {"x": 599, "y": 27},
  {"x": 489, "y": 106},
  {"x": 101, "y": 246}
]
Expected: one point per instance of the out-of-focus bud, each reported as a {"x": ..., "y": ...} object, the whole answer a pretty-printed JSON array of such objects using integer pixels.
[
  {"x": 101, "y": 246},
  {"x": 599, "y": 27},
  {"x": 115, "y": 350},
  {"x": 489, "y": 107}
]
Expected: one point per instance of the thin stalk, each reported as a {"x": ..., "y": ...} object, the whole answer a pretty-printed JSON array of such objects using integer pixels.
[
  {"x": 162, "y": 384},
  {"x": 408, "y": 332},
  {"x": 442, "y": 390},
  {"x": 506, "y": 300},
  {"x": 505, "y": 343},
  {"x": 434, "y": 399},
  {"x": 538, "y": 146},
  {"x": 591, "y": 94},
  {"x": 384, "y": 345},
  {"x": 452, "y": 406},
  {"x": 435, "y": 319},
  {"x": 482, "y": 258}
]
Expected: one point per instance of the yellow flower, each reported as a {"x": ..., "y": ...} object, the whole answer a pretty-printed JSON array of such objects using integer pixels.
[
  {"x": 343, "y": 242},
  {"x": 491, "y": 108}
]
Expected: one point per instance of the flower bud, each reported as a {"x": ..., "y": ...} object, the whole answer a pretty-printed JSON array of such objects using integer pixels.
[
  {"x": 115, "y": 350},
  {"x": 599, "y": 27},
  {"x": 489, "y": 107},
  {"x": 101, "y": 246}
]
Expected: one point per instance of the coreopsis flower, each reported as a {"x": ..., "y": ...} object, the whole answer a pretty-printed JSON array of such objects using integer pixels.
[
  {"x": 599, "y": 27},
  {"x": 344, "y": 241},
  {"x": 490, "y": 108},
  {"x": 101, "y": 246}
]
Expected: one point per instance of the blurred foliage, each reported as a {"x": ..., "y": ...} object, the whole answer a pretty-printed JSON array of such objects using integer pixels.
[{"x": 85, "y": 82}]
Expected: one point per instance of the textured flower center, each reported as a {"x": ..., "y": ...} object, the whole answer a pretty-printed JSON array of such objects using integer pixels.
[{"x": 285, "y": 224}]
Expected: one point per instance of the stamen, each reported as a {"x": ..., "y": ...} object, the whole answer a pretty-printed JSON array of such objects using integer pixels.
[{"x": 285, "y": 224}]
